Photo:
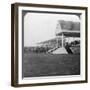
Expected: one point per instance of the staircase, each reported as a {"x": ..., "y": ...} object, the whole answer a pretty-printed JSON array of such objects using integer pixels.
[
  {"x": 51, "y": 50},
  {"x": 61, "y": 50}
]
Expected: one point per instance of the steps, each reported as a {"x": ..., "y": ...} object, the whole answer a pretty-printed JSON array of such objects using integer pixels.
[
  {"x": 60, "y": 50},
  {"x": 65, "y": 50}
]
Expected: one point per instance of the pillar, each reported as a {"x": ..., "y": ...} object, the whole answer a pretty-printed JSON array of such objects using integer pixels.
[
  {"x": 57, "y": 41},
  {"x": 62, "y": 40}
]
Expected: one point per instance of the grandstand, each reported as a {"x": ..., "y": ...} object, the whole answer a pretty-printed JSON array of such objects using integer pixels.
[{"x": 67, "y": 39}]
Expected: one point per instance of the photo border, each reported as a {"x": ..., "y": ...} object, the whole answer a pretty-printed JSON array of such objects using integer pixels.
[{"x": 14, "y": 43}]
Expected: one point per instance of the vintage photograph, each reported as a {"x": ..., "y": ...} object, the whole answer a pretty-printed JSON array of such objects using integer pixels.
[{"x": 51, "y": 44}]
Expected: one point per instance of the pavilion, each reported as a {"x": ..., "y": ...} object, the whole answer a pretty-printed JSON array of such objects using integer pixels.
[
  {"x": 67, "y": 29},
  {"x": 64, "y": 31}
]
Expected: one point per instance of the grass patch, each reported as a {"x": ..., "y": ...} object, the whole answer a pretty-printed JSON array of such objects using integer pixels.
[{"x": 35, "y": 65}]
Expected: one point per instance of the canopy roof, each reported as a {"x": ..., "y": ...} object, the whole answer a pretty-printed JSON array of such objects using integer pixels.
[
  {"x": 69, "y": 25},
  {"x": 68, "y": 28}
]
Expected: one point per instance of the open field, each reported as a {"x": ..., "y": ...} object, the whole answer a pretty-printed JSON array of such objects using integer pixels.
[{"x": 35, "y": 65}]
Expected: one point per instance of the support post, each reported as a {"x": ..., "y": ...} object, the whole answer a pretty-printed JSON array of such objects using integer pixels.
[
  {"x": 57, "y": 41},
  {"x": 62, "y": 40}
]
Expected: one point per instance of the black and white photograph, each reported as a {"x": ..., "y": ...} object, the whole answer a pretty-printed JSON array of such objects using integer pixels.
[{"x": 51, "y": 44}]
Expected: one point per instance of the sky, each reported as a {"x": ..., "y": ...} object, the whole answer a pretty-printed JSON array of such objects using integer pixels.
[{"x": 39, "y": 27}]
